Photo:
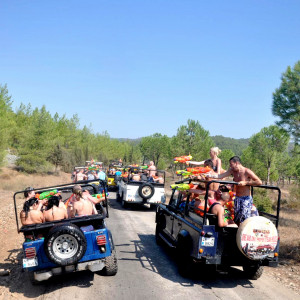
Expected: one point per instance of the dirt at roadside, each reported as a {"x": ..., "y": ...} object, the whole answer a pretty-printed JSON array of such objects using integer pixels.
[{"x": 11, "y": 275}]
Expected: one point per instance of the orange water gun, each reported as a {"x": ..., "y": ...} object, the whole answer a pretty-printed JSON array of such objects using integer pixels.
[
  {"x": 182, "y": 159},
  {"x": 199, "y": 170}
]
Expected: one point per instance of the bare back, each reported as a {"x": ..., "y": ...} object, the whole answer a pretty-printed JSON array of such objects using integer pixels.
[
  {"x": 33, "y": 217},
  {"x": 55, "y": 213},
  {"x": 83, "y": 208}
]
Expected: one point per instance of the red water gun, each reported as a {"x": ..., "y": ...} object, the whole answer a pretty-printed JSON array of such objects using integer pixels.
[
  {"x": 199, "y": 170},
  {"x": 182, "y": 159}
]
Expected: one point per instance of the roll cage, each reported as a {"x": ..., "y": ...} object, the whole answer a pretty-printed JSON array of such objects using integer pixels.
[
  {"x": 66, "y": 188},
  {"x": 207, "y": 216}
]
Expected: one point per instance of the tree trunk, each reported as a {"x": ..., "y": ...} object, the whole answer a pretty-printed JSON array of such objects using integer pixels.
[{"x": 268, "y": 176}]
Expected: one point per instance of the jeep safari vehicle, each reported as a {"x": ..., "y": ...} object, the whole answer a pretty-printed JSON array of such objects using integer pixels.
[
  {"x": 67, "y": 245},
  {"x": 199, "y": 241},
  {"x": 144, "y": 190}
]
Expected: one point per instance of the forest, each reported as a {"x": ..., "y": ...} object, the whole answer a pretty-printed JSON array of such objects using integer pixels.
[{"x": 46, "y": 143}]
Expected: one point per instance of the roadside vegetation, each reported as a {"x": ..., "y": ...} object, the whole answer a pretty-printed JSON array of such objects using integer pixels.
[{"x": 46, "y": 144}]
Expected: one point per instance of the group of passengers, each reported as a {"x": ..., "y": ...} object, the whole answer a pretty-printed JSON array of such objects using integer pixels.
[
  {"x": 36, "y": 211},
  {"x": 219, "y": 195},
  {"x": 149, "y": 175}
]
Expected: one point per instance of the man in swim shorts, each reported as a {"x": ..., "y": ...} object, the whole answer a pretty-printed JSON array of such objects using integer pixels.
[{"x": 245, "y": 178}]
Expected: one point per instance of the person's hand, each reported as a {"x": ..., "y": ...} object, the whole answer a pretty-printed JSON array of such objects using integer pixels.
[{"x": 243, "y": 183}]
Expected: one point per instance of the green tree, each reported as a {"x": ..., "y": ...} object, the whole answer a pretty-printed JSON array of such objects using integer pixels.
[
  {"x": 225, "y": 155},
  {"x": 155, "y": 147},
  {"x": 7, "y": 120},
  {"x": 268, "y": 145},
  {"x": 286, "y": 102},
  {"x": 194, "y": 139}
]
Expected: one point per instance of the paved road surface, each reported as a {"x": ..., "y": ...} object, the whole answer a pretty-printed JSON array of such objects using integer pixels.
[{"x": 147, "y": 271}]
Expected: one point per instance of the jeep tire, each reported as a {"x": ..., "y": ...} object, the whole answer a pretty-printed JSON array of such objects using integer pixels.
[
  {"x": 146, "y": 191},
  {"x": 253, "y": 271},
  {"x": 111, "y": 266},
  {"x": 65, "y": 244}
]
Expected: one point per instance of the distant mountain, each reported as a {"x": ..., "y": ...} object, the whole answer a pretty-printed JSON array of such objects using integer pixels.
[{"x": 236, "y": 145}]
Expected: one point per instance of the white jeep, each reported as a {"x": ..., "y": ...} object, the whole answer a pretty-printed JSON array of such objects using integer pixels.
[{"x": 143, "y": 191}]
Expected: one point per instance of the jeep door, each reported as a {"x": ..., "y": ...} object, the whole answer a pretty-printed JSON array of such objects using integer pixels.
[{"x": 172, "y": 222}]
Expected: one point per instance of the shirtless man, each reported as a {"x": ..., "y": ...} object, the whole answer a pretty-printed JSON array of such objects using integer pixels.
[
  {"x": 152, "y": 169},
  {"x": 54, "y": 211},
  {"x": 80, "y": 176},
  {"x": 30, "y": 213},
  {"x": 245, "y": 178},
  {"x": 81, "y": 207}
]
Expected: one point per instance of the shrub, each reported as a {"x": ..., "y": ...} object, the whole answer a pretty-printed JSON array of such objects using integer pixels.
[
  {"x": 262, "y": 200},
  {"x": 294, "y": 201}
]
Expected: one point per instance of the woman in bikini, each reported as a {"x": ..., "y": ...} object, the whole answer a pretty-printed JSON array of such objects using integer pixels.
[
  {"x": 53, "y": 211},
  {"x": 217, "y": 163}
]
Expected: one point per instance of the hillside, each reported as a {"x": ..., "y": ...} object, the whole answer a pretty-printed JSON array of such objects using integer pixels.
[{"x": 236, "y": 145}]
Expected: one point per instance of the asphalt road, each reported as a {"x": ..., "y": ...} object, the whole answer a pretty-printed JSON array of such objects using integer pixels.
[{"x": 147, "y": 271}]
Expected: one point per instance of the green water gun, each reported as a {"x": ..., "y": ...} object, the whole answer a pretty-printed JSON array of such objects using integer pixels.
[
  {"x": 184, "y": 173},
  {"x": 47, "y": 195},
  {"x": 143, "y": 167},
  {"x": 182, "y": 186}
]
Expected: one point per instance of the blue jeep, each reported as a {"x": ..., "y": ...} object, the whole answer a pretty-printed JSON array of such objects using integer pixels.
[
  {"x": 199, "y": 241},
  {"x": 68, "y": 245}
]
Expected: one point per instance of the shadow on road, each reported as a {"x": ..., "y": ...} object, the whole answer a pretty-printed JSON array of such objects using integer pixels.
[
  {"x": 113, "y": 203},
  {"x": 18, "y": 281},
  {"x": 161, "y": 260}
]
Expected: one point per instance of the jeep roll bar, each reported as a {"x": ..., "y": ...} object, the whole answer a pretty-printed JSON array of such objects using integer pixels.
[
  {"x": 208, "y": 183},
  {"x": 83, "y": 183}
]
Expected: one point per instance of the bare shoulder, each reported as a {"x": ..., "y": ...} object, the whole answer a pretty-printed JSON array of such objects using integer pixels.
[{"x": 249, "y": 172}]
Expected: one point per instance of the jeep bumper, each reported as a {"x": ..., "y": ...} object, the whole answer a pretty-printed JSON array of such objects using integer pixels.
[{"x": 93, "y": 266}]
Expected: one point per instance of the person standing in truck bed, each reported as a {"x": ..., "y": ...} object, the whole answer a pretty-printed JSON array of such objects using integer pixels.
[{"x": 245, "y": 177}]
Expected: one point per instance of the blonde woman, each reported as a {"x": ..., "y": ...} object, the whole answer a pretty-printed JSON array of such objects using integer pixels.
[{"x": 217, "y": 163}]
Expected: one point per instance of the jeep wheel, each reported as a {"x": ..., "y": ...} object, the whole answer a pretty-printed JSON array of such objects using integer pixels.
[
  {"x": 118, "y": 197},
  {"x": 253, "y": 271},
  {"x": 124, "y": 204},
  {"x": 185, "y": 262},
  {"x": 111, "y": 266},
  {"x": 153, "y": 206},
  {"x": 146, "y": 191},
  {"x": 65, "y": 244}
]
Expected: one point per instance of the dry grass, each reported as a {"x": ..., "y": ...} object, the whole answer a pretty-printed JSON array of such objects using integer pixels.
[{"x": 11, "y": 180}]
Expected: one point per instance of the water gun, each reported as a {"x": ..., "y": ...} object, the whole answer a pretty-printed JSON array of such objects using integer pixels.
[
  {"x": 229, "y": 211},
  {"x": 193, "y": 171},
  {"x": 232, "y": 195},
  {"x": 184, "y": 173},
  {"x": 94, "y": 168},
  {"x": 182, "y": 186},
  {"x": 100, "y": 196},
  {"x": 199, "y": 170},
  {"x": 45, "y": 195},
  {"x": 143, "y": 167},
  {"x": 182, "y": 159}
]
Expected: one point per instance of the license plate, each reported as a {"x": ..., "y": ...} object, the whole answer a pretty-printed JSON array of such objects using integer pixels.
[
  {"x": 30, "y": 262},
  {"x": 208, "y": 242}
]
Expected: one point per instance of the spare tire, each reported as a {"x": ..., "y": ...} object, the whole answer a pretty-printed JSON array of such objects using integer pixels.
[
  {"x": 257, "y": 237},
  {"x": 65, "y": 244},
  {"x": 146, "y": 190}
]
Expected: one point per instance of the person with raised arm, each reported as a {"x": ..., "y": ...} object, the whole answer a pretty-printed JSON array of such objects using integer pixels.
[{"x": 246, "y": 178}]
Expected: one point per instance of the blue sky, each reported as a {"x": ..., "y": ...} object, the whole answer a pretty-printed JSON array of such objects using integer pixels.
[{"x": 134, "y": 68}]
